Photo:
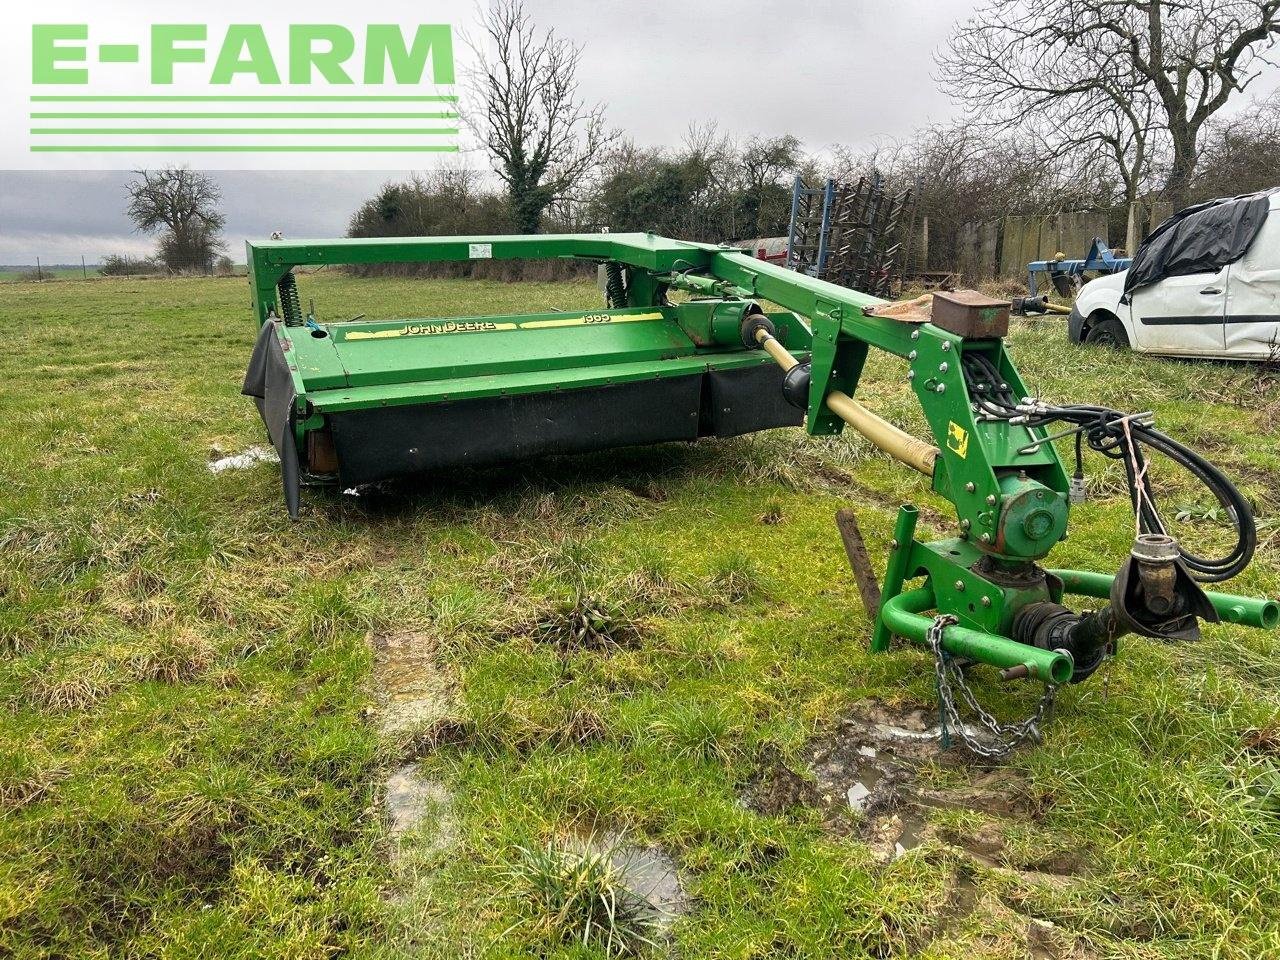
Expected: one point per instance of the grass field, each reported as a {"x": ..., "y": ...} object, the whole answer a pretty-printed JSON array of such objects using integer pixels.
[
  {"x": 194, "y": 690},
  {"x": 59, "y": 272}
]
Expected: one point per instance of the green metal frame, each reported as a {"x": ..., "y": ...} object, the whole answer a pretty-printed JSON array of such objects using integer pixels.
[{"x": 1009, "y": 490}]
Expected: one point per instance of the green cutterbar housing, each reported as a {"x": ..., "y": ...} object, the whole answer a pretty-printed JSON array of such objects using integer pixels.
[{"x": 362, "y": 401}]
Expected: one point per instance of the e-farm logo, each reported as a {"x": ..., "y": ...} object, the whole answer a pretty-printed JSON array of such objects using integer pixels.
[{"x": 134, "y": 90}]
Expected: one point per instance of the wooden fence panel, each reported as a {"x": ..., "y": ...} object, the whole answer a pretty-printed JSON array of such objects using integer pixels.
[
  {"x": 967, "y": 250},
  {"x": 1011, "y": 262},
  {"x": 988, "y": 249},
  {"x": 1160, "y": 212},
  {"x": 1050, "y": 238}
]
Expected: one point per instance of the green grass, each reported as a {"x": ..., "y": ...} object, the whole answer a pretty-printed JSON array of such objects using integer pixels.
[
  {"x": 188, "y": 766},
  {"x": 50, "y": 273}
]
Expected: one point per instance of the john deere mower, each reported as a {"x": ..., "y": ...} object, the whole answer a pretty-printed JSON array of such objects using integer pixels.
[{"x": 358, "y": 401}]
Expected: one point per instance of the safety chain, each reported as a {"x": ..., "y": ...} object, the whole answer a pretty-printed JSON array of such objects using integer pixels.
[{"x": 950, "y": 679}]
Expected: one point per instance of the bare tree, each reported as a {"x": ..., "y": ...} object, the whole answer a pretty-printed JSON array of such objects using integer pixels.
[
  {"x": 765, "y": 164},
  {"x": 182, "y": 205},
  {"x": 1126, "y": 79},
  {"x": 543, "y": 137},
  {"x": 1241, "y": 154}
]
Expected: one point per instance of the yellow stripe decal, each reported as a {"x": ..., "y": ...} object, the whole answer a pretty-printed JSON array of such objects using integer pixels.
[
  {"x": 486, "y": 326},
  {"x": 589, "y": 320},
  {"x": 429, "y": 329}
]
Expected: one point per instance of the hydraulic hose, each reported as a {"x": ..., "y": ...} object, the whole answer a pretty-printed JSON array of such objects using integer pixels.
[{"x": 1123, "y": 437}]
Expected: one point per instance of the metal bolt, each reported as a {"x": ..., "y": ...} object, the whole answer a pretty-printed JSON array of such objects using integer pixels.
[
  {"x": 991, "y": 499},
  {"x": 911, "y": 374},
  {"x": 915, "y": 334},
  {"x": 986, "y": 538},
  {"x": 986, "y": 601},
  {"x": 969, "y": 487},
  {"x": 960, "y": 586},
  {"x": 893, "y": 544},
  {"x": 946, "y": 345},
  {"x": 943, "y": 367},
  {"x": 965, "y": 524},
  {"x": 912, "y": 355},
  {"x": 940, "y": 388}
]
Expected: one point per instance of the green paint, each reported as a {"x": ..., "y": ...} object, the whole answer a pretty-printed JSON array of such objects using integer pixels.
[
  {"x": 1011, "y": 506},
  {"x": 118, "y": 53},
  {"x": 166, "y": 52},
  {"x": 385, "y": 45},
  {"x": 48, "y": 50},
  {"x": 245, "y": 51},
  {"x": 304, "y": 58}
]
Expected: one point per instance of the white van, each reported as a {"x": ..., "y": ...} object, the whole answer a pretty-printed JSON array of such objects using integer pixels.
[{"x": 1199, "y": 296}]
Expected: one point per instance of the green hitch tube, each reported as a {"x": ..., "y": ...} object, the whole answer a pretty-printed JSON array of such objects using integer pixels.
[
  {"x": 895, "y": 571},
  {"x": 1247, "y": 611},
  {"x": 901, "y": 616}
]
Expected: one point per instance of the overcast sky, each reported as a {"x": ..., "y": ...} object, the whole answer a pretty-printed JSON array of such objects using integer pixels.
[{"x": 828, "y": 71}]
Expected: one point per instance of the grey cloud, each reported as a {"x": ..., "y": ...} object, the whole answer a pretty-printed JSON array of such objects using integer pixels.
[{"x": 827, "y": 71}]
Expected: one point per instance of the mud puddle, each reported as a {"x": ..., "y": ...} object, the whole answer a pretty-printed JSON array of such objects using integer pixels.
[
  {"x": 411, "y": 690},
  {"x": 875, "y": 776},
  {"x": 411, "y": 693},
  {"x": 219, "y": 463},
  {"x": 869, "y": 776},
  {"x": 647, "y": 872}
]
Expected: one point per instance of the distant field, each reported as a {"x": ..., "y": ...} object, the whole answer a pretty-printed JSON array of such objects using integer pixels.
[
  {"x": 194, "y": 691},
  {"x": 59, "y": 271},
  {"x": 9, "y": 273}
]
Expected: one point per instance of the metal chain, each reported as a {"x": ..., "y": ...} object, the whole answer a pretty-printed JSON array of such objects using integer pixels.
[{"x": 1004, "y": 737}]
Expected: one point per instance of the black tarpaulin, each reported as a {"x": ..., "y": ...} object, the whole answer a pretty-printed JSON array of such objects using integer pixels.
[
  {"x": 268, "y": 381},
  {"x": 1202, "y": 238}
]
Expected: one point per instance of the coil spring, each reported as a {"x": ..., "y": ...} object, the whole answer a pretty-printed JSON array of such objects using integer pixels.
[
  {"x": 290, "y": 305},
  {"x": 615, "y": 290}
]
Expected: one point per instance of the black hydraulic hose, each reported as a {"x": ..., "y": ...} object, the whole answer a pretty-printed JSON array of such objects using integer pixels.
[{"x": 1122, "y": 437}]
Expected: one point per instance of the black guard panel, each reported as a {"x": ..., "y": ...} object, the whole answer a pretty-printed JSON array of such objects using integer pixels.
[
  {"x": 380, "y": 443},
  {"x": 385, "y": 442},
  {"x": 746, "y": 400},
  {"x": 268, "y": 381}
]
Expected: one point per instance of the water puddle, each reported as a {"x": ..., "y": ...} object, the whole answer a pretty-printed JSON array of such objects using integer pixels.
[
  {"x": 413, "y": 693},
  {"x": 875, "y": 777},
  {"x": 866, "y": 775},
  {"x": 411, "y": 689},
  {"x": 408, "y": 798},
  {"x": 242, "y": 461},
  {"x": 647, "y": 872}
]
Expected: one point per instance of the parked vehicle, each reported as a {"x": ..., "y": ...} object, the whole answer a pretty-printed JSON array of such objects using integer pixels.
[{"x": 1205, "y": 283}]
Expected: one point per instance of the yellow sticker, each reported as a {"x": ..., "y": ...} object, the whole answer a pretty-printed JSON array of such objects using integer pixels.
[
  {"x": 484, "y": 326},
  {"x": 589, "y": 320},
  {"x": 429, "y": 329},
  {"x": 958, "y": 440}
]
